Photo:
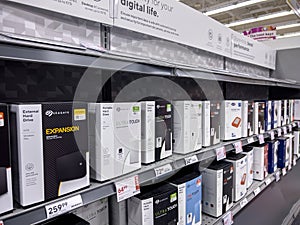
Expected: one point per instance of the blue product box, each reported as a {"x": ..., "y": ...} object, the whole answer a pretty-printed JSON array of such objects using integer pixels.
[
  {"x": 272, "y": 156},
  {"x": 282, "y": 153},
  {"x": 268, "y": 115},
  {"x": 274, "y": 119}
]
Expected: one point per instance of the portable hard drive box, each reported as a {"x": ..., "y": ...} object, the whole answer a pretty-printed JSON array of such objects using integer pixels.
[
  {"x": 272, "y": 156},
  {"x": 297, "y": 109},
  {"x": 245, "y": 122},
  {"x": 247, "y": 150},
  {"x": 283, "y": 160},
  {"x": 252, "y": 126},
  {"x": 274, "y": 118},
  {"x": 268, "y": 115},
  {"x": 296, "y": 142},
  {"x": 284, "y": 112},
  {"x": 260, "y": 162},
  {"x": 50, "y": 150}
]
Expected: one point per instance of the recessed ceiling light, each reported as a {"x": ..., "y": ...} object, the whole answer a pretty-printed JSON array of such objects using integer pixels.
[{"x": 288, "y": 26}]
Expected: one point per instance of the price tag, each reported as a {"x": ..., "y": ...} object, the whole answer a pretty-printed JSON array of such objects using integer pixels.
[
  {"x": 283, "y": 171},
  {"x": 221, "y": 153},
  {"x": 277, "y": 176},
  {"x": 261, "y": 139},
  {"x": 256, "y": 191},
  {"x": 191, "y": 160},
  {"x": 290, "y": 128},
  {"x": 243, "y": 203},
  {"x": 127, "y": 188},
  {"x": 268, "y": 181},
  {"x": 238, "y": 147},
  {"x": 294, "y": 124},
  {"x": 228, "y": 218},
  {"x": 63, "y": 206},
  {"x": 250, "y": 140},
  {"x": 294, "y": 162},
  {"x": 279, "y": 132},
  {"x": 289, "y": 167},
  {"x": 163, "y": 170},
  {"x": 284, "y": 130},
  {"x": 272, "y": 135}
]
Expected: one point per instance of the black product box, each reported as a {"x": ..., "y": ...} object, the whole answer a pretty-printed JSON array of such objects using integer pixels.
[
  {"x": 250, "y": 125},
  {"x": 163, "y": 129},
  {"x": 156, "y": 205},
  {"x": 261, "y": 117},
  {"x": 67, "y": 219}
]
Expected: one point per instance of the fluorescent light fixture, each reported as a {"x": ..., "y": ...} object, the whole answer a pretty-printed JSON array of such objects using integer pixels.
[
  {"x": 262, "y": 18},
  {"x": 288, "y": 26},
  {"x": 231, "y": 7},
  {"x": 289, "y": 35}
]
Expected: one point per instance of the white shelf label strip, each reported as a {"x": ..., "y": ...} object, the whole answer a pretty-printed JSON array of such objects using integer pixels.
[
  {"x": 191, "y": 160},
  {"x": 243, "y": 203},
  {"x": 257, "y": 191},
  {"x": 163, "y": 170}
]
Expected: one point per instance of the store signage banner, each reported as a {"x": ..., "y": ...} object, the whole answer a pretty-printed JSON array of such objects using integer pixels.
[
  {"x": 94, "y": 10},
  {"x": 295, "y": 5},
  {"x": 261, "y": 33}
]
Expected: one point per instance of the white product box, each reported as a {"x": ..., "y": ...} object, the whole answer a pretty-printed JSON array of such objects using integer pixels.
[
  {"x": 260, "y": 162},
  {"x": 297, "y": 109},
  {"x": 115, "y": 139},
  {"x": 148, "y": 131},
  {"x": 117, "y": 211},
  {"x": 290, "y": 150},
  {"x": 274, "y": 119},
  {"x": 249, "y": 152},
  {"x": 51, "y": 149},
  {"x": 268, "y": 115},
  {"x": 284, "y": 111},
  {"x": 95, "y": 213},
  {"x": 291, "y": 110},
  {"x": 261, "y": 113},
  {"x": 279, "y": 111},
  {"x": 296, "y": 143},
  {"x": 245, "y": 119},
  {"x": 206, "y": 123},
  {"x": 256, "y": 121},
  {"x": 217, "y": 188},
  {"x": 252, "y": 118},
  {"x": 239, "y": 162},
  {"x": 231, "y": 120},
  {"x": 187, "y": 126}
]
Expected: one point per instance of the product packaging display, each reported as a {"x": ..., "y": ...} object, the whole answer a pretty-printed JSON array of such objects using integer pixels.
[
  {"x": 69, "y": 219},
  {"x": 260, "y": 126},
  {"x": 297, "y": 109},
  {"x": 245, "y": 121},
  {"x": 291, "y": 109},
  {"x": 115, "y": 139},
  {"x": 187, "y": 126},
  {"x": 296, "y": 142},
  {"x": 6, "y": 193},
  {"x": 284, "y": 111},
  {"x": 274, "y": 119},
  {"x": 283, "y": 160},
  {"x": 289, "y": 146},
  {"x": 50, "y": 150},
  {"x": 189, "y": 188},
  {"x": 148, "y": 132},
  {"x": 272, "y": 156},
  {"x": 163, "y": 129},
  {"x": 117, "y": 211},
  {"x": 279, "y": 111},
  {"x": 260, "y": 162},
  {"x": 211, "y": 123},
  {"x": 288, "y": 113},
  {"x": 95, "y": 213},
  {"x": 247, "y": 150},
  {"x": 268, "y": 115},
  {"x": 252, "y": 118},
  {"x": 239, "y": 162},
  {"x": 231, "y": 120},
  {"x": 218, "y": 188},
  {"x": 156, "y": 205}
]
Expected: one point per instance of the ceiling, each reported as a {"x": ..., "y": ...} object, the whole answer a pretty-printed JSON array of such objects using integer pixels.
[{"x": 285, "y": 20}]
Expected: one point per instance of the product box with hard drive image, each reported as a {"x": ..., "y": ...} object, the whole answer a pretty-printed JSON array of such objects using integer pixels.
[
  {"x": 189, "y": 186},
  {"x": 217, "y": 188},
  {"x": 272, "y": 156},
  {"x": 50, "y": 150},
  {"x": 283, "y": 160},
  {"x": 187, "y": 126},
  {"x": 6, "y": 192},
  {"x": 274, "y": 119},
  {"x": 231, "y": 120},
  {"x": 248, "y": 150},
  {"x": 115, "y": 139},
  {"x": 289, "y": 146},
  {"x": 260, "y": 162},
  {"x": 239, "y": 162},
  {"x": 156, "y": 205},
  {"x": 284, "y": 112},
  {"x": 268, "y": 115},
  {"x": 252, "y": 118},
  {"x": 261, "y": 117},
  {"x": 291, "y": 109},
  {"x": 244, "y": 124},
  {"x": 296, "y": 142},
  {"x": 279, "y": 113}
]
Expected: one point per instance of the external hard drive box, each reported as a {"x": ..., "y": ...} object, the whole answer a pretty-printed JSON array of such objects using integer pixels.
[
  {"x": 211, "y": 122},
  {"x": 291, "y": 110},
  {"x": 117, "y": 211},
  {"x": 283, "y": 160},
  {"x": 296, "y": 142},
  {"x": 231, "y": 120},
  {"x": 156, "y": 205},
  {"x": 245, "y": 122},
  {"x": 288, "y": 112},
  {"x": 272, "y": 156},
  {"x": 252, "y": 126},
  {"x": 50, "y": 150},
  {"x": 260, "y": 162},
  {"x": 217, "y": 188},
  {"x": 189, "y": 187},
  {"x": 247, "y": 150},
  {"x": 148, "y": 131},
  {"x": 297, "y": 109},
  {"x": 289, "y": 146},
  {"x": 260, "y": 114},
  {"x": 239, "y": 162},
  {"x": 6, "y": 192},
  {"x": 268, "y": 115},
  {"x": 115, "y": 139},
  {"x": 187, "y": 126},
  {"x": 284, "y": 112},
  {"x": 274, "y": 118},
  {"x": 279, "y": 111}
]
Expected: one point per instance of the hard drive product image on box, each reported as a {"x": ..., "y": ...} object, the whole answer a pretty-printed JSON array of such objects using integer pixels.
[
  {"x": 260, "y": 162},
  {"x": 283, "y": 160},
  {"x": 245, "y": 122},
  {"x": 272, "y": 156},
  {"x": 189, "y": 186},
  {"x": 6, "y": 192},
  {"x": 51, "y": 140},
  {"x": 274, "y": 118},
  {"x": 156, "y": 205},
  {"x": 268, "y": 115},
  {"x": 239, "y": 162},
  {"x": 217, "y": 188},
  {"x": 115, "y": 139},
  {"x": 231, "y": 120},
  {"x": 284, "y": 112},
  {"x": 248, "y": 150},
  {"x": 187, "y": 126}
]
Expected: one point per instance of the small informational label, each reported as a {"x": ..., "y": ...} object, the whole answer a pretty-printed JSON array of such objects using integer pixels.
[
  {"x": 243, "y": 203},
  {"x": 298, "y": 123},
  {"x": 272, "y": 135},
  {"x": 238, "y": 147},
  {"x": 261, "y": 139},
  {"x": 289, "y": 167},
  {"x": 250, "y": 140},
  {"x": 256, "y": 191},
  {"x": 79, "y": 114},
  {"x": 1, "y": 119},
  {"x": 279, "y": 132},
  {"x": 268, "y": 181},
  {"x": 283, "y": 171},
  {"x": 221, "y": 153},
  {"x": 294, "y": 162},
  {"x": 290, "y": 128},
  {"x": 277, "y": 176},
  {"x": 284, "y": 130},
  {"x": 294, "y": 124},
  {"x": 160, "y": 171},
  {"x": 228, "y": 218},
  {"x": 191, "y": 160},
  {"x": 127, "y": 188},
  {"x": 63, "y": 206}
]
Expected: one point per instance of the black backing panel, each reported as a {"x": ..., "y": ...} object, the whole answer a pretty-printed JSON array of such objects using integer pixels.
[{"x": 235, "y": 91}]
